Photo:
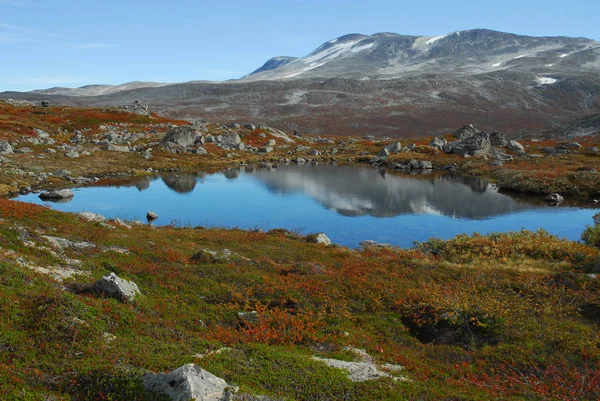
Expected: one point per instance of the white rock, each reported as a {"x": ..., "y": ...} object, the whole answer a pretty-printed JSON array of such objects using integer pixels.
[
  {"x": 189, "y": 382},
  {"x": 115, "y": 287},
  {"x": 89, "y": 216}
]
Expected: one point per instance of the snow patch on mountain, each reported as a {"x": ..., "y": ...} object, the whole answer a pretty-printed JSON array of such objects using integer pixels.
[
  {"x": 331, "y": 52},
  {"x": 546, "y": 80},
  {"x": 357, "y": 49},
  {"x": 434, "y": 39}
]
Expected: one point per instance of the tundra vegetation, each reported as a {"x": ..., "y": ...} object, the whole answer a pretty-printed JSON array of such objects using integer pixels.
[{"x": 503, "y": 316}]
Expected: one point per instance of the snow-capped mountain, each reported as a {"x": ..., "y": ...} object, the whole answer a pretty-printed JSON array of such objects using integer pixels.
[{"x": 390, "y": 56}]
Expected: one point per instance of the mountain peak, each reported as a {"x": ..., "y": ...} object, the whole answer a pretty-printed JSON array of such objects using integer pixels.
[{"x": 386, "y": 55}]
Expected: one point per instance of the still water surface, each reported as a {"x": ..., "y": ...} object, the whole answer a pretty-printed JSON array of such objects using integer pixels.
[{"x": 349, "y": 204}]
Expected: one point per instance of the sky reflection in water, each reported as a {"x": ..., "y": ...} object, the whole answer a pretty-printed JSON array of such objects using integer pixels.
[{"x": 349, "y": 204}]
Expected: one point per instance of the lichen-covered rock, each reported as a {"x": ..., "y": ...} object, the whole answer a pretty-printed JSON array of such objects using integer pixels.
[
  {"x": 319, "y": 238},
  {"x": 5, "y": 148},
  {"x": 89, "y": 216},
  {"x": 115, "y": 287},
  {"x": 60, "y": 194},
  {"x": 180, "y": 137},
  {"x": 189, "y": 382}
]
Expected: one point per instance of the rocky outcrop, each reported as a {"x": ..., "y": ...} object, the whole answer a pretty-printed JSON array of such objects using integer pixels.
[
  {"x": 466, "y": 132},
  {"x": 115, "y": 287},
  {"x": 475, "y": 143},
  {"x": 189, "y": 382}
]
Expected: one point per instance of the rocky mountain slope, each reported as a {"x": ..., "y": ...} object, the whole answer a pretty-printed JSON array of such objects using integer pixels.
[
  {"x": 388, "y": 84},
  {"x": 464, "y": 53}
]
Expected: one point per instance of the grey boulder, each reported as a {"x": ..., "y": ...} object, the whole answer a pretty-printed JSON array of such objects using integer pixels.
[
  {"x": 231, "y": 140},
  {"x": 5, "y": 148},
  {"x": 183, "y": 137},
  {"x": 115, "y": 287},
  {"x": 498, "y": 139},
  {"x": 466, "y": 132},
  {"x": 189, "y": 382},
  {"x": 60, "y": 194},
  {"x": 554, "y": 198},
  {"x": 438, "y": 143},
  {"x": 516, "y": 147},
  {"x": 477, "y": 144}
]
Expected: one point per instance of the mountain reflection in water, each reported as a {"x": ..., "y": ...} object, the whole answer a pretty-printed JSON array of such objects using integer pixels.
[
  {"x": 358, "y": 191},
  {"x": 349, "y": 203}
]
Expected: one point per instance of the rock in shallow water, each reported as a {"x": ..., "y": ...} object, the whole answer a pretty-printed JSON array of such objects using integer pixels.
[{"x": 60, "y": 194}]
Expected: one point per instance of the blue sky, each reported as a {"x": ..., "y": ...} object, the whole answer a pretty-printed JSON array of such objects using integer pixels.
[{"x": 74, "y": 43}]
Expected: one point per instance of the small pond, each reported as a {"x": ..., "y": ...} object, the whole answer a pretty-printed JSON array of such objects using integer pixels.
[{"x": 350, "y": 203}]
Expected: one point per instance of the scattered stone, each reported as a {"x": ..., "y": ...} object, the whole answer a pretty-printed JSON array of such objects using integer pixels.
[
  {"x": 208, "y": 256},
  {"x": 438, "y": 143},
  {"x": 315, "y": 152},
  {"x": 151, "y": 216},
  {"x": 89, "y": 216},
  {"x": 63, "y": 243},
  {"x": 516, "y": 147},
  {"x": 189, "y": 382},
  {"x": 320, "y": 238},
  {"x": 361, "y": 371},
  {"x": 60, "y": 194},
  {"x": 373, "y": 244},
  {"x": 250, "y": 127},
  {"x": 5, "y": 148},
  {"x": 231, "y": 140},
  {"x": 498, "y": 139},
  {"x": 113, "y": 286},
  {"x": 180, "y": 137},
  {"x": 50, "y": 150},
  {"x": 266, "y": 149},
  {"x": 394, "y": 147},
  {"x": 115, "y": 148},
  {"x": 499, "y": 155},
  {"x": 45, "y": 103},
  {"x": 200, "y": 151},
  {"x": 554, "y": 198},
  {"x": 271, "y": 142},
  {"x": 119, "y": 222},
  {"x": 383, "y": 153},
  {"x": 24, "y": 150},
  {"x": 72, "y": 154}
]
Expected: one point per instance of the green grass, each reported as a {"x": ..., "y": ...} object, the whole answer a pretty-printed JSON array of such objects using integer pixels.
[{"x": 475, "y": 317}]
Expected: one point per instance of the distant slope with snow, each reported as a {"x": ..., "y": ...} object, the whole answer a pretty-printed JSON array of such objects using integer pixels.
[{"x": 391, "y": 56}]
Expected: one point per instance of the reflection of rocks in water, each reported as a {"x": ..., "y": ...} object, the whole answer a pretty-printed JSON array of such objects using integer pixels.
[
  {"x": 180, "y": 183},
  {"x": 477, "y": 184},
  {"x": 232, "y": 173},
  {"x": 356, "y": 191},
  {"x": 143, "y": 184}
]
